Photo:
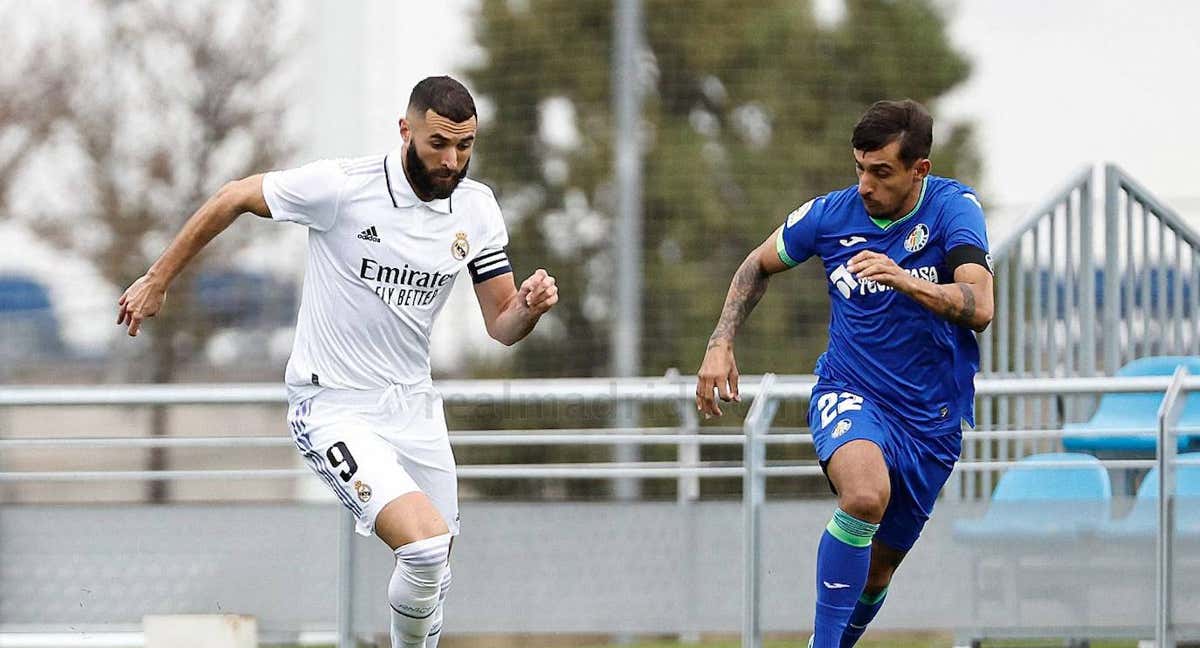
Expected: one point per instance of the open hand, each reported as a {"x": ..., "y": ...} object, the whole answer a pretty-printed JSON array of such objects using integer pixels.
[
  {"x": 718, "y": 372},
  {"x": 143, "y": 298}
]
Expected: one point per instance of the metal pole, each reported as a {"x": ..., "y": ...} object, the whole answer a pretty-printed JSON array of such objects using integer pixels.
[
  {"x": 1110, "y": 333},
  {"x": 688, "y": 486},
  {"x": 1035, "y": 330},
  {"x": 1003, "y": 327},
  {"x": 757, "y": 423},
  {"x": 627, "y": 229},
  {"x": 687, "y": 492},
  {"x": 1195, "y": 311},
  {"x": 1087, "y": 269},
  {"x": 1168, "y": 418},
  {"x": 1147, "y": 266},
  {"x": 1162, "y": 325},
  {"x": 1071, "y": 306},
  {"x": 1019, "y": 328},
  {"x": 1177, "y": 299},
  {"x": 345, "y": 581}
]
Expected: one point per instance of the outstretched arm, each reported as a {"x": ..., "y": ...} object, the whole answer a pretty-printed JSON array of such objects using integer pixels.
[
  {"x": 967, "y": 302},
  {"x": 144, "y": 297},
  {"x": 719, "y": 369},
  {"x": 510, "y": 313}
]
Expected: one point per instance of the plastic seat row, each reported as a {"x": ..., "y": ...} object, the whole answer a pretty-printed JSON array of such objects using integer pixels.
[
  {"x": 1136, "y": 412},
  {"x": 1072, "y": 497}
]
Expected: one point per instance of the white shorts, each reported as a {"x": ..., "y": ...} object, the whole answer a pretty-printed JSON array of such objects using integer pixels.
[{"x": 372, "y": 446}]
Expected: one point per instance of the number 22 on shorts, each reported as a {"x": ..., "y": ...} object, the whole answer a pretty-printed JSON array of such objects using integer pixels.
[{"x": 832, "y": 404}]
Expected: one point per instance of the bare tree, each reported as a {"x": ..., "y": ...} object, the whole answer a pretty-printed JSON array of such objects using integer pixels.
[
  {"x": 34, "y": 78},
  {"x": 170, "y": 100}
]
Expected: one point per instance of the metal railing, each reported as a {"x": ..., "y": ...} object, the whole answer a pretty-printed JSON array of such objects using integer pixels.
[
  {"x": 1100, "y": 273},
  {"x": 767, "y": 393},
  {"x": 1168, "y": 419}
]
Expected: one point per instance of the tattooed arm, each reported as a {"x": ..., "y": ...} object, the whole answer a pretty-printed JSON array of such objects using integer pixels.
[
  {"x": 967, "y": 302},
  {"x": 719, "y": 370},
  {"x": 748, "y": 285}
]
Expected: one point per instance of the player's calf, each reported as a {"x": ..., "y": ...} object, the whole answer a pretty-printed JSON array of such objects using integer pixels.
[
  {"x": 859, "y": 476},
  {"x": 415, "y": 589},
  {"x": 843, "y": 558},
  {"x": 884, "y": 561},
  {"x": 419, "y": 537},
  {"x": 864, "y": 612},
  {"x": 435, "y": 629}
]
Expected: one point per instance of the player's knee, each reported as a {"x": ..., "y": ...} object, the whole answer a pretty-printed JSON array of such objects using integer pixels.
[
  {"x": 864, "y": 504},
  {"x": 421, "y": 568},
  {"x": 409, "y": 518}
]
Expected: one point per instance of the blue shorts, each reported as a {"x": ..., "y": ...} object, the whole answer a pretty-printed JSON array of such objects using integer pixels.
[{"x": 918, "y": 462}]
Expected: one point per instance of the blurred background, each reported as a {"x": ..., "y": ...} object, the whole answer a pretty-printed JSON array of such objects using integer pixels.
[{"x": 118, "y": 118}]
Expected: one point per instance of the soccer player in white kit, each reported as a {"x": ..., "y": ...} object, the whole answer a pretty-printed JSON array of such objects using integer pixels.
[{"x": 387, "y": 236}]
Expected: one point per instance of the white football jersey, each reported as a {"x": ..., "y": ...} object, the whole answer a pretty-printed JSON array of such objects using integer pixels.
[{"x": 381, "y": 263}]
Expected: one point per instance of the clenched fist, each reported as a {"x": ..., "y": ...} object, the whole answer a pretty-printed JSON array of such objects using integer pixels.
[{"x": 538, "y": 293}]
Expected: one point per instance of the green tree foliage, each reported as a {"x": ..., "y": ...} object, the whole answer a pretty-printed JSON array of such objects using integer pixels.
[{"x": 747, "y": 110}]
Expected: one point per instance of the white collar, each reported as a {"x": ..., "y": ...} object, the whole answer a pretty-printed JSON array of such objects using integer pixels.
[{"x": 402, "y": 192}]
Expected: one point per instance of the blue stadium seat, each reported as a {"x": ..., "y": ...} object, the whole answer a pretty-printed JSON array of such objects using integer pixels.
[
  {"x": 1045, "y": 502},
  {"x": 1135, "y": 411},
  {"x": 1142, "y": 519}
]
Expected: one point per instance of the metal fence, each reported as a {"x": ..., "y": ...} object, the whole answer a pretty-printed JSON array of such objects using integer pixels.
[
  {"x": 1099, "y": 274},
  {"x": 354, "y": 619}
]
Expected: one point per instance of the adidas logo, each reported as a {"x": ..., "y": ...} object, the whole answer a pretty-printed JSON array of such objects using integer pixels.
[{"x": 369, "y": 234}]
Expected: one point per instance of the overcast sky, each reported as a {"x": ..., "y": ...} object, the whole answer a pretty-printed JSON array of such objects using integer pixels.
[{"x": 1060, "y": 83}]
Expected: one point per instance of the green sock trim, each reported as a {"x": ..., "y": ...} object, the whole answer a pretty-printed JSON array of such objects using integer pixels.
[
  {"x": 872, "y": 600},
  {"x": 851, "y": 530}
]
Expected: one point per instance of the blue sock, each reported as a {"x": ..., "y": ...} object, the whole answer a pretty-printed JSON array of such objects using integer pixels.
[
  {"x": 843, "y": 559},
  {"x": 865, "y": 610}
]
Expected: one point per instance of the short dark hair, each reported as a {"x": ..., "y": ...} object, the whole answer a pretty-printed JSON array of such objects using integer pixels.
[
  {"x": 445, "y": 96},
  {"x": 885, "y": 121}
]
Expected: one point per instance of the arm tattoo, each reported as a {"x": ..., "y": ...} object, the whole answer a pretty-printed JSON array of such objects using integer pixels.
[
  {"x": 966, "y": 314},
  {"x": 749, "y": 284},
  {"x": 968, "y": 309}
]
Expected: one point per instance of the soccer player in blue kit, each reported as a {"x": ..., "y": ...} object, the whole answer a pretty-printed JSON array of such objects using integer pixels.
[{"x": 905, "y": 256}]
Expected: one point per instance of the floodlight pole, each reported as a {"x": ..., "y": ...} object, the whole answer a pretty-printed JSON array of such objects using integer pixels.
[{"x": 627, "y": 226}]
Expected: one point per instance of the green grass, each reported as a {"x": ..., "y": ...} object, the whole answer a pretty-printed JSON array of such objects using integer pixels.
[
  {"x": 900, "y": 642},
  {"x": 877, "y": 643},
  {"x": 794, "y": 643},
  {"x": 894, "y": 641}
]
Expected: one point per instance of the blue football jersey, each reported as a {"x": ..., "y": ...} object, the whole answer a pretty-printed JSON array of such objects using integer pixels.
[{"x": 882, "y": 343}]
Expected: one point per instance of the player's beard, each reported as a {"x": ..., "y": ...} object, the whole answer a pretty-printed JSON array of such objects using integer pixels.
[
  {"x": 877, "y": 210},
  {"x": 424, "y": 181},
  {"x": 882, "y": 212}
]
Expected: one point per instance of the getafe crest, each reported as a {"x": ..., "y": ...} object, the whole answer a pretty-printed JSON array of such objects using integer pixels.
[
  {"x": 917, "y": 238},
  {"x": 843, "y": 426},
  {"x": 460, "y": 247}
]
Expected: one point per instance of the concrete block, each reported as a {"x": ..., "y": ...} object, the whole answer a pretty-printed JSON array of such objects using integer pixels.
[{"x": 200, "y": 631}]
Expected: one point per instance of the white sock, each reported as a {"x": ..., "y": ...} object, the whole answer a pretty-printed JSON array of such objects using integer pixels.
[
  {"x": 435, "y": 630},
  {"x": 415, "y": 587}
]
